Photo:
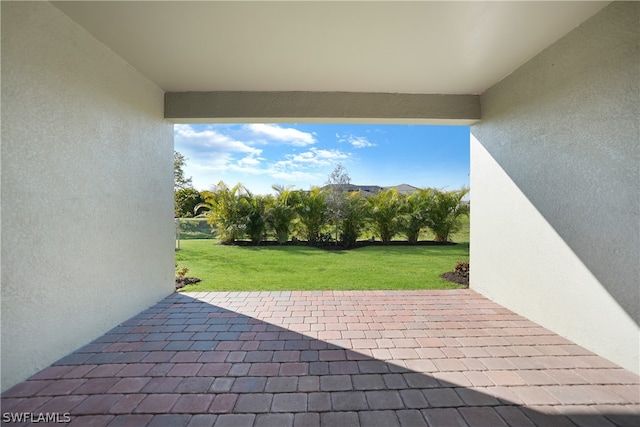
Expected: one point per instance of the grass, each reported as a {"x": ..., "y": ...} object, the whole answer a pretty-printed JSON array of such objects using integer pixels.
[
  {"x": 275, "y": 268},
  {"x": 195, "y": 228}
]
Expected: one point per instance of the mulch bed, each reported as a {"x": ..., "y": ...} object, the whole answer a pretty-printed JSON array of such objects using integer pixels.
[
  {"x": 454, "y": 277},
  {"x": 181, "y": 282},
  {"x": 334, "y": 247}
]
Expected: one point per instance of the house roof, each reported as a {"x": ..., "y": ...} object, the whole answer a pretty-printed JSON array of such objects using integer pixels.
[
  {"x": 322, "y": 46},
  {"x": 354, "y": 187},
  {"x": 404, "y": 188}
]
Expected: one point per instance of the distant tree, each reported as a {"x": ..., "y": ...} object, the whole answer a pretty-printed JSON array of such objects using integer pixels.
[
  {"x": 179, "y": 180},
  {"x": 185, "y": 200},
  {"x": 337, "y": 195}
]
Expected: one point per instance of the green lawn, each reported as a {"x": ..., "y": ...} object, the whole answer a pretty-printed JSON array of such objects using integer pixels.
[
  {"x": 276, "y": 268},
  {"x": 236, "y": 268}
]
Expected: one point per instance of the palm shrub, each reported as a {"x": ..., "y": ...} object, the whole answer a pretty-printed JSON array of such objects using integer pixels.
[
  {"x": 312, "y": 212},
  {"x": 445, "y": 213},
  {"x": 224, "y": 211},
  {"x": 354, "y": 219},
  {"x": 385, "y": 209},
  {"x": 281, "y": 212},
  {"x": 416, "y": 211},
  {"x": 253, "y": 214}
]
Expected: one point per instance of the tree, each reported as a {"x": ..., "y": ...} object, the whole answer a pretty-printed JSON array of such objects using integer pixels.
[
  {"x": 252, "y": 209},
  {"x": 225, "y": 211},
  {"x": 337, "y": 193},
  {"x": 185, "y": 197},
  {"x": 416, "y": 211},
  {"x": 185, "y": 200},
  {"x": 311, "y": 209},
  {"x": 179, "y": 180},
  {"x": 281, "y": 212},
  {"x": 386, "y": 208},
  {"x": 445, "y": 213},
  {"x": 356, "y": 214}
]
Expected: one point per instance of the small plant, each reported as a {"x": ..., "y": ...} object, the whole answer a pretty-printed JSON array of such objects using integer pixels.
[
  {"x": 323, "y": 239},
  {"x": 181, "y": 278},
  {"x": 181, "y": 272},
  {"x": 459, "y": 275},
  {"x": 462, "y": 269}
]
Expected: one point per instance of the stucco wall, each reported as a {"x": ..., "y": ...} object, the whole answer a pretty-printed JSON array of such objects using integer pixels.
[
  {"x": 87, "y": 236},
  {"x": 555, "y": 224}
]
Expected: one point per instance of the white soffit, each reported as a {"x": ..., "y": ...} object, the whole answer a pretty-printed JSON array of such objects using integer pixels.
[{"x": 395, "y": 47}]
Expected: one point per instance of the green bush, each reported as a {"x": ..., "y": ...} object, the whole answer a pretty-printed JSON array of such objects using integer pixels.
[
  {"x": 386, "y": 208},
  {"x": 281, "y": 213},
  {"x": 185, "y": 200},
  {"x": 312, "y": 212},
  {"x": 444, "y": 217},
  {"x": 235, "y": 213},
  {"x": 225, "y": 211},
  {"x": 416, "y": 212},
  {"x": 355, "y": 217}
]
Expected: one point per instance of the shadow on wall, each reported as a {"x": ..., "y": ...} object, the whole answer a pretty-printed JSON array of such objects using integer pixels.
[
  {"x": 185, "y": 359},
  {"x": 564, "y": 127}
]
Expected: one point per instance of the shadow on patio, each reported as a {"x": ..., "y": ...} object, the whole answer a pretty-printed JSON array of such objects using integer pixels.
[{"x": 378, "y": 358}]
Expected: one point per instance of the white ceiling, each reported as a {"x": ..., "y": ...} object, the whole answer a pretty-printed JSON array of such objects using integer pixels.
[{"x": 407, "y": 47}]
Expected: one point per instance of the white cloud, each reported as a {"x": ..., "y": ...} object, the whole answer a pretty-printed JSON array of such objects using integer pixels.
[
  {"x": 308, "y": 168},
  {"x": 231, "y": 154},
  {"x": 249, "y": 161},
  {"x": 214, "y": 162},
  {"x": 330, "y": 155},
  {"x": 287, "y": 135},
  {"x": 313, "y": 158},
  {"x": 355, "y": 141},
  {"x": 252, "y": 160},
  {"x": 213, "y": 155},
  {"x": 297, "y": 176},
  {"x": 210, "y": 141},
  {"x": 361, "y": 142}
]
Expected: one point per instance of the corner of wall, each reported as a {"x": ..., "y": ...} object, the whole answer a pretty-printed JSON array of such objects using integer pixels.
[
  {"x": 555, "y": 228},
  {"x": 86, "y": 171}
]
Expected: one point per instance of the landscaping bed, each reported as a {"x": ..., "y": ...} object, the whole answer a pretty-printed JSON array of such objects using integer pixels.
[{"x": 334, "y": 246}]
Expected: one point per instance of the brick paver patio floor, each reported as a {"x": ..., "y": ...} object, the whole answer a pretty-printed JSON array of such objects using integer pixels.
[{"x": 373, "y": 358}]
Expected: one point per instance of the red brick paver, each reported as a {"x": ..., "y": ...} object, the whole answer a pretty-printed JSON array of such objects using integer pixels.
[{"x": 327, "y": 358}]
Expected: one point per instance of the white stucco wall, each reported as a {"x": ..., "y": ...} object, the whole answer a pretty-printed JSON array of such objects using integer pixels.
[
  {"x": 87, "y": 237},
  {"x": 555, "y": 223}
]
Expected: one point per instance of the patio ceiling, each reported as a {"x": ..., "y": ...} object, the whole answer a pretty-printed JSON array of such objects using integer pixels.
[{"x": 394, "y": 47}]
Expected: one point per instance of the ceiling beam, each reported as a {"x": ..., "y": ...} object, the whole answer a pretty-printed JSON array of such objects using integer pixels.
[{"x": 328, "y": 107}]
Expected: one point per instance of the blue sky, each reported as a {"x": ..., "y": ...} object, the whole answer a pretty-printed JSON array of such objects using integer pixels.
[{"x": 303, "y": 155}]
